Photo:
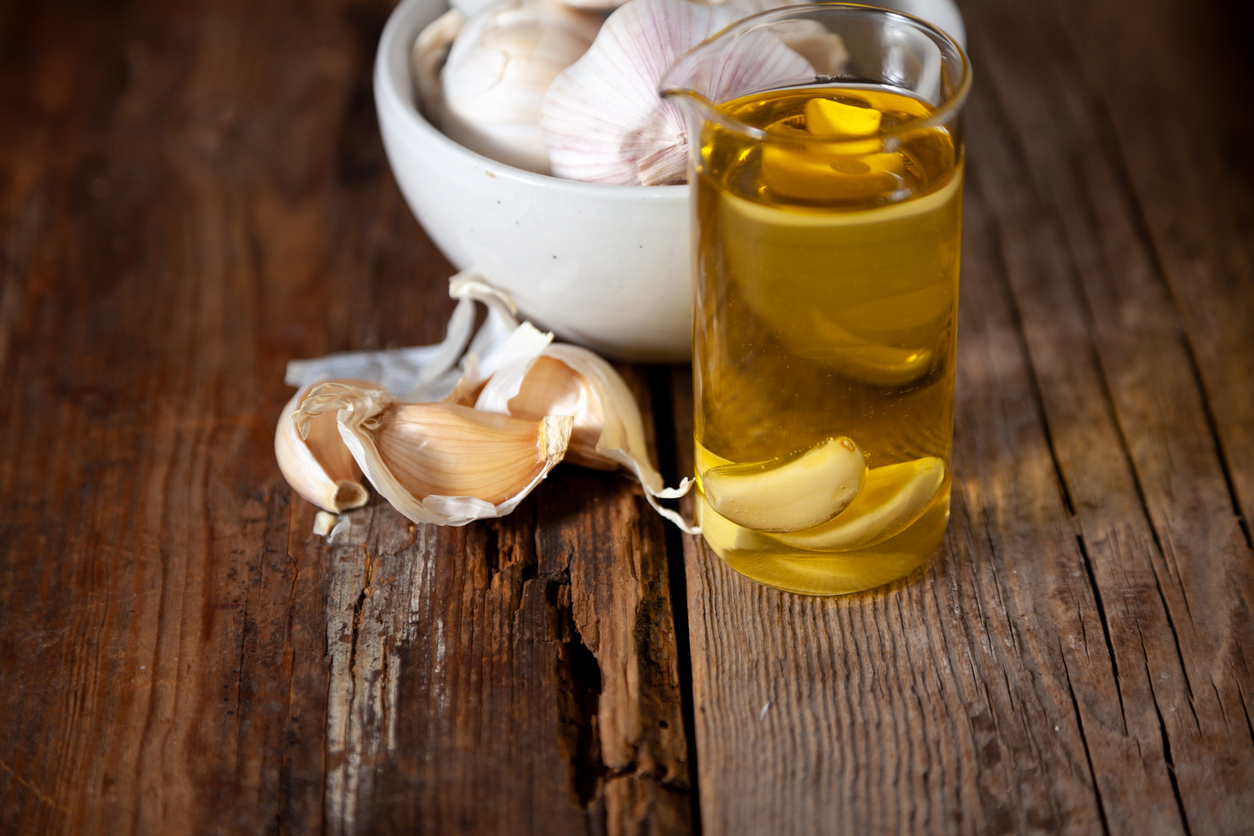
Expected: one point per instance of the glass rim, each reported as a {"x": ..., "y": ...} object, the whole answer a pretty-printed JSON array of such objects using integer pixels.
[{"x": 943, "y": 112}]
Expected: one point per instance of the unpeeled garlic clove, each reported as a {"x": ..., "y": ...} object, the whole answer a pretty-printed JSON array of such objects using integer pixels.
[
  {"x": 608, "y": 433},
  {"x": 316, "y": 463},
  {"x": 602, "y": 117},
  {"x": 553, "y": 388},
  {"x": 497, "y": 71},
  {"x": 437, "y": 462}
]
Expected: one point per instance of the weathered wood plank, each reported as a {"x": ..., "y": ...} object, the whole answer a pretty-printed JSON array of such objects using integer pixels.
[
  {"x": 189, "y": 197},
  {"x": 1185, "y": 539},
  {"x": 513, "y": 677},
  {"x": 1181, "y": 148}
]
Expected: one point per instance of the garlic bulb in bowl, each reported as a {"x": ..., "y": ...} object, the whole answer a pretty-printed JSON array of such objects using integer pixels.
[
  {"x": 497, "y": 71},
  {"x": 470, "y": 7},
  {"x": 602, "y": 117}
]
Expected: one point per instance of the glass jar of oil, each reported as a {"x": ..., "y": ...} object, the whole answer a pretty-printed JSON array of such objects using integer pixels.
[{"x": 827, "y": 220}]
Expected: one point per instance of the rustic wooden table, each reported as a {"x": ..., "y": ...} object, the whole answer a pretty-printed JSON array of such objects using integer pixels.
[{"x": 193, "y": 193}]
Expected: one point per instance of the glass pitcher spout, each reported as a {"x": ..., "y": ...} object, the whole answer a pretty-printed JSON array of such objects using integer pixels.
[{"x": 799, "y": 46}]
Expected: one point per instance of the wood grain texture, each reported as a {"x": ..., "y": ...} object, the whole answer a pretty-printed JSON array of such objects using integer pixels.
[
  {"x": 518, "y": 676},
  {"x": 190, "y": 196},
  {"x": 1075, "y": 657}
]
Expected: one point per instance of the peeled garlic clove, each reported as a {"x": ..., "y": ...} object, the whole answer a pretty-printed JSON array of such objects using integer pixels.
[
  {"x": 437, "y": 462},
  {"x": 602, "y": 117},
  {"x": 317, "y": 464},
  {"x": 497, "y": 71},
  {"x": 828, "y": 116},
  {"x": 726, "y": 538},
  {"x": 792, "y": 493},
  {"x": 324, "y": 522},
  {"x": 893, "y": 497},
  {"x": 868, "y": 362}
]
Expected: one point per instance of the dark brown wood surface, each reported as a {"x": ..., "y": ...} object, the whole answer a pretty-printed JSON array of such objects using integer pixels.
[{"x": 193, "y": 193}]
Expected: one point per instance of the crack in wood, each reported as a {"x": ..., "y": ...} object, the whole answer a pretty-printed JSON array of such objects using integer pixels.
[
  {"x": 670, "y": 463},
  {"x": 1101, "y": 614},
  {"x": 1084, "y": 742},
  {"x": 579, "y": 703},
  {"x": 1171, "y": 770},
  {"x": 1183, "y": 666},
  {"x": 1245, "y": 708}
]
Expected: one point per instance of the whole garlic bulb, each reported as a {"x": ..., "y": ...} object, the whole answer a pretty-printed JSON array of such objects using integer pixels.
[
  {"x": 602, "y": 117},
  {"x": 498, "y": 69}
]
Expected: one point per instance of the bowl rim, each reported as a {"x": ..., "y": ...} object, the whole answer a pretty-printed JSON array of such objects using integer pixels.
[{"x": 392, "y": 59}]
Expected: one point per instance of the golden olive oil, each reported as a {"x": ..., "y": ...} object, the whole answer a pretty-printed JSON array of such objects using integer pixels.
[{"x": 826, "y": 307}]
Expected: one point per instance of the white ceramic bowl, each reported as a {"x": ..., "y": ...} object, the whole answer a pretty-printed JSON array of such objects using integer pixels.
[{"x": 605, "y": 266}]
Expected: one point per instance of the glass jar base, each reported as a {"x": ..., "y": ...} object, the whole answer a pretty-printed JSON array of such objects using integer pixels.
[{"x": 841, "y": 573}]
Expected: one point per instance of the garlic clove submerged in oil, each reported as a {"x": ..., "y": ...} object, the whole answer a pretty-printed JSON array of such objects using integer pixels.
[
  {"x": 893, "y": 497},
  {"x": 792, "y": 493},
  {"x": 436, "y": 462}
]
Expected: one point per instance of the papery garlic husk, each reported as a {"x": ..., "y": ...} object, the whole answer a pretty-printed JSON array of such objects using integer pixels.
[
  {"x": 436, "y": 462},
  {"x": 602, "y": 117},
  {"x": 317, "y": 465},
  {"x": 420, "y": 373},
  {"x": 608, "y": 428},
  {"x": 497, "y": 71}
]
